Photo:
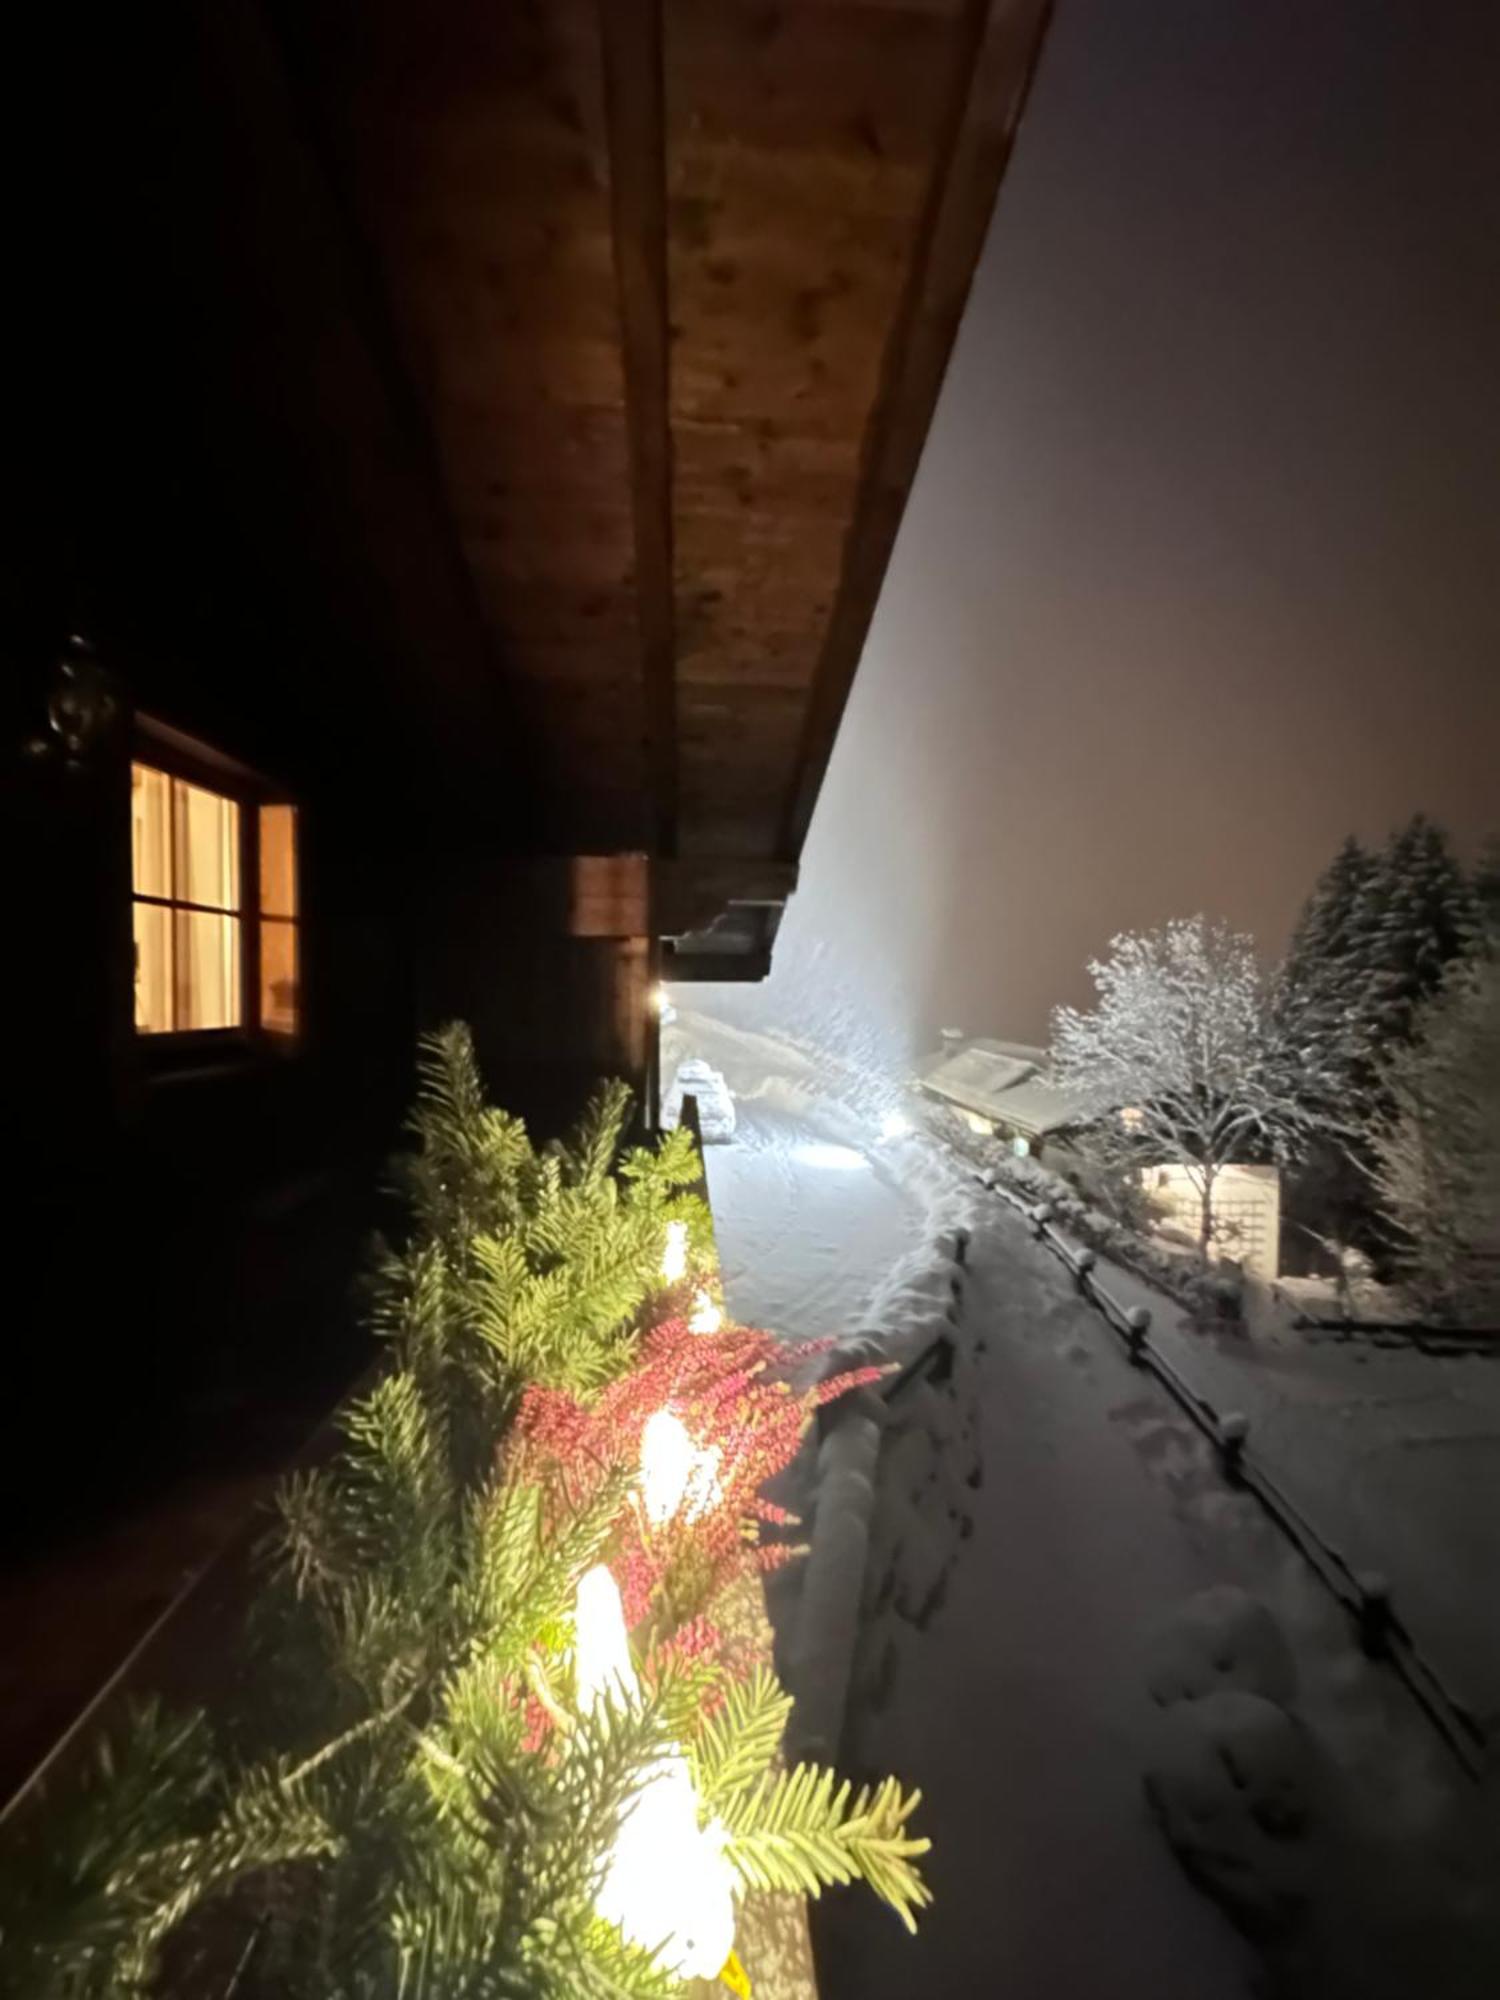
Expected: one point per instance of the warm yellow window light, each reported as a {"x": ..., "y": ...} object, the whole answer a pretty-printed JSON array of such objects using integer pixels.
[
  {"x": 214, "y": 908},
  {"x": 186, "y": 913}
]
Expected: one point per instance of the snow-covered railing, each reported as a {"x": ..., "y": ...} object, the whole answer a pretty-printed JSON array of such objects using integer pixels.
[{"x": 1364, "y": 1594}]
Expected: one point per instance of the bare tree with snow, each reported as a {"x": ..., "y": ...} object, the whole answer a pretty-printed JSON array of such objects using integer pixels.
[{"x": 1183, "y": 1056}]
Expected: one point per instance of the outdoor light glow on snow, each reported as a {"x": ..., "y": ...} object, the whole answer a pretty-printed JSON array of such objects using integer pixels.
[{"x": 838, "y": 1159}]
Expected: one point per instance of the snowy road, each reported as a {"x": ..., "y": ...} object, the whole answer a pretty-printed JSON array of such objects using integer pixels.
[
  {"x": 1023, "y": 1713},
  {"x": 805, "y": 1225}
]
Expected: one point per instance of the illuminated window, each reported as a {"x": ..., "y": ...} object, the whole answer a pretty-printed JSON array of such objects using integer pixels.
[
  {"x": 203, "y": 960},
  {"x": 279, "y": 941}
]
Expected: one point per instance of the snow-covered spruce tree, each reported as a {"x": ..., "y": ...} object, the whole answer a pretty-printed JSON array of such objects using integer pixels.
[
  {"x": 1182, "y": 1059},
  {"x": 1428, "y": 917},
  {"x": 1435, "y": 1148},
  {"x": 422, "y": 1792},
  {"x": 1324, "y": 981},
  {"x": 1487, "y": 888}
]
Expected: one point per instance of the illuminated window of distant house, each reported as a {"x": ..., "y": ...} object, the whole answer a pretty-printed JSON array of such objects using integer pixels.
[{"x": 214, "y": 892}]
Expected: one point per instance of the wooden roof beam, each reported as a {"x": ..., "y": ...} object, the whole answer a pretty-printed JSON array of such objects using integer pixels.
[
  {"x": 634, "y": 94},
  {"x": 995, "y": 58}
]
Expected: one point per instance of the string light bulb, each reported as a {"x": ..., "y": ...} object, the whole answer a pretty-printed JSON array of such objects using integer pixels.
[
  {"x": 676, "y": 1474},
  {"x": 705, "y": 1316},
  {"x": 674, "y": 1256},
  {"x": 666, "y": 1885}
]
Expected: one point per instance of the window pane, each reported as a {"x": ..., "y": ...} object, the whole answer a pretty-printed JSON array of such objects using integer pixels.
[
  {"x": 150, "y": 830},
  {"x": 153, "y": 969},
  {"x": 278, "y": 861},
  {"x": 208, "y": 847},
  {"x": 208, "y": 970},
  {"x": 278, "y": 978}
]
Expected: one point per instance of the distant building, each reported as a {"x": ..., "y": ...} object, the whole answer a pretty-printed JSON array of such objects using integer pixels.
[
  {"x": 1001, "y": 1088},
  {"x": 1004, "y": 1090}
]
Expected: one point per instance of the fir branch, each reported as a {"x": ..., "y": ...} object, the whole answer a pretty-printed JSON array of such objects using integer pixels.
[
  {"x": 735, "y": 1746},
  {"x": 801, "y": 1830}
]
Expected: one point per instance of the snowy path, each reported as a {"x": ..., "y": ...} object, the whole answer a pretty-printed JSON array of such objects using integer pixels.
[
  {"x": 1018, "y": 1701},
  {"x": 805, "y": 1225},
  {"x": 1022, "y": 1712}
]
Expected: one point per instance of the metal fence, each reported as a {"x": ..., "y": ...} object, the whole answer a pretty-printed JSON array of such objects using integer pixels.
[{"x": 1364, "y": 1594}]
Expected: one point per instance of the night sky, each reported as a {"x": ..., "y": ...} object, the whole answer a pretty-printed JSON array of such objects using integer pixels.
[{"x": 1202, "y": 568}]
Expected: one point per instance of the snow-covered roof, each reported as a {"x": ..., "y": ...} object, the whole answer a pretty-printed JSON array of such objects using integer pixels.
[{"x": 1005, "y": 1081}]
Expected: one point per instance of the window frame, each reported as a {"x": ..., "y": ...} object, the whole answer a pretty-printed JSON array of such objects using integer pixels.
[{"x": 160, "y": 747}]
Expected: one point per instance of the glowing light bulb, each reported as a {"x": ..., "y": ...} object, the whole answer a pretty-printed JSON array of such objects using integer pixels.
[
  {"x": 675, "y": 1254},
  {"x": 666, "y": 1465},
  {"x": 705, "y": 1316},
  {"x": 676, "y": 1473},
  {"x": 666, "y": 1884},
  {"x": 601, "y": 1655},
  {"x": 894, "y": 1126}
]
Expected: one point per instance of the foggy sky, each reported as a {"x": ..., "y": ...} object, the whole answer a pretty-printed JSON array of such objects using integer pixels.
[{"x": 1202, "y": 567}]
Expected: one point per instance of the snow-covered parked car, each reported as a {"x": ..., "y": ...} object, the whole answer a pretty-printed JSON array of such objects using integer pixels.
[{"x": 699, "y": 1079}]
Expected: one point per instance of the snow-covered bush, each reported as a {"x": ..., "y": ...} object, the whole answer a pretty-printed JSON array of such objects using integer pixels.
[
  {"x": 1231, "y": 1787},
  {"x": 1222, "y": 1638},
  {"x": 1232, "y": 1780},
  {"x": 1207, "y": 1291}
]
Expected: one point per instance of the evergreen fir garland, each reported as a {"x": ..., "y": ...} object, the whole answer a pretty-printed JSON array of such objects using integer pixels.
[{"x": 424, "y": 1800}]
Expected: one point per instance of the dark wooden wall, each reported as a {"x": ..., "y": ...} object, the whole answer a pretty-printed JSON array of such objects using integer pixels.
[{"x": 206, "y": 475}]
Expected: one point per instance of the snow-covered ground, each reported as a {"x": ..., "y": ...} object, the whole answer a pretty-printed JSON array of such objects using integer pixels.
[
  {"x": 1394, "y": 1455},
  {"x": 805, "y": 1222},
  {"x": 1071, "y": 1649}
]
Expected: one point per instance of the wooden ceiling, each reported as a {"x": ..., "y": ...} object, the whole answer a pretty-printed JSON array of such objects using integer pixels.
[{"x": 671, "y": 284}]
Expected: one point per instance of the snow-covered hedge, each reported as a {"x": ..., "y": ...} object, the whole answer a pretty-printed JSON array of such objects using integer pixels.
[{"x": 1213, "y": 1293}]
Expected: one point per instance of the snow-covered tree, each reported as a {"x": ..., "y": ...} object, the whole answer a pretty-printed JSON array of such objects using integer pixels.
[
  {"x": 1428, "y": 915},
  {"x": 1184, "y": 1054},
  {"x": 1323, "y": 988},
  {"x": 1435, "y": 1148},
  {"x": 1372, "y": 943},
  {"x": 1324, "y": 936},
  {"x": 1487, "y": 886}
]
